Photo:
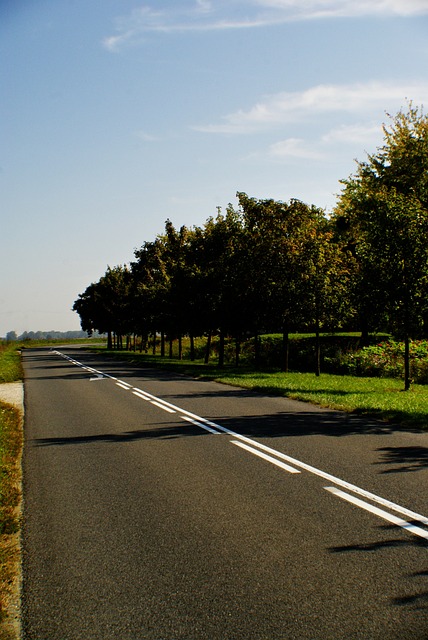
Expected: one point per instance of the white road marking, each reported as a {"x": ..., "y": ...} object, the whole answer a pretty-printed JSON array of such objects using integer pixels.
[
  {"x": 140, "y": 395},
  {"x": 379, "y": 512},
  {"x": 123, "y": 385},
  {"x": 149, "y": 398},
  {"x": 260, "y": 454},
  {"x": 201, "y": 425},
  {"x": 212, "y": 427},
  {"x": 162, "y": 406}
]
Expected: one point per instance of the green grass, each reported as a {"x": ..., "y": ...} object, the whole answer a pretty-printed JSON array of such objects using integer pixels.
[
  {"x": 382, "y": 398},
  {"x": 10, "y": 362}
]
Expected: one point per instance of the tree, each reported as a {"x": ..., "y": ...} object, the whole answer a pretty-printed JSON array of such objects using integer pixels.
[
  {"x": 295, "y": 273},
  {"x": 217, "y": 284},
  {"x": 150, "y": 289},
  {"x": 384, "y": 208},
  {"x": 104, "y": 305},
  {"x": 325, "y": 275}
]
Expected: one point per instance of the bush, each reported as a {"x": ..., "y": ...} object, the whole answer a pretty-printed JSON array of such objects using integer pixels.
[
  {"x": 386, "y": 360},
  {"x": 302, "y": 351}
]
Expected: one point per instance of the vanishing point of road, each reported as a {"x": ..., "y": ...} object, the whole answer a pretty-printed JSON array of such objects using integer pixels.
[{"x": 158, "y": 507}]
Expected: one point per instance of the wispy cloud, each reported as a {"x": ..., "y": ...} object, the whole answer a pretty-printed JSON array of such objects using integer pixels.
[
  {"x": 143, "y": 136},
  {"x": 294, "y": 148},
  {"x": 204, "y": 15},
  {"x": 287, "y": 107},
  {"x": 359, "y": 133},
  {"x": 358, "y": 136},
  {"x": 312, "y": 9},
  {"x": 321, "y": 123}
]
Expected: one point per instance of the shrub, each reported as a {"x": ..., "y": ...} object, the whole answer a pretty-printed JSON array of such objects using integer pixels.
[{"x": 386, "y": 360}]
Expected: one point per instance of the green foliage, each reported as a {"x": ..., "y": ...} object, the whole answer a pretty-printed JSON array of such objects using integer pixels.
[
  {"x": 10, "y": 362},
  {"x": 386, "y": 360},
  {"x": 383, "y": 214}
]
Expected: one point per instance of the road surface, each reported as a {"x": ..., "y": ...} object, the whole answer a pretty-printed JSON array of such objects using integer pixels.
[{"x": 162, "y": 508}]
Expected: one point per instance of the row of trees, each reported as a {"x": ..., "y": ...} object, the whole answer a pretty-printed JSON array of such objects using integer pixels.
[
  {"x": 275, "y": 266},
  {"x": 12, "y": 336}
]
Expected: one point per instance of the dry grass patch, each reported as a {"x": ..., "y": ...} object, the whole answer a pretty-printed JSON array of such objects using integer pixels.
[{"x": 11, "y": 439}]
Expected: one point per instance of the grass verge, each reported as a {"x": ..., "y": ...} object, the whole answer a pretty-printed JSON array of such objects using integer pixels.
[
  {"x": 382, "y": 398},
  {"x": 11, "y": 439},
  {"x": 11, "y": 436},
  {"x": 10, "y": 364}
]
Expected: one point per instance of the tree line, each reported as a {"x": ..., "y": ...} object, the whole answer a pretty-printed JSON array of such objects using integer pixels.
[
  {"x": 12, "y": 336},
  {"x": 271, "y": 266}
]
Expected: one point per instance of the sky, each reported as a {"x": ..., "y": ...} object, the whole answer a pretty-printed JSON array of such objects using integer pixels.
[{"x": 116, "y": 115}]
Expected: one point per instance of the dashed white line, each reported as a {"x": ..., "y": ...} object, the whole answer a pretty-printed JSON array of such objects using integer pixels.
[
  {"x": 162, "y": 406},
  {"x": 123, "y": 385},
  {"x": 140, "y": 395}
]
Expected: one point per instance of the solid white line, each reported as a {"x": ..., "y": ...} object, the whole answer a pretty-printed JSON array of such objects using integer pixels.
[
  {"x": 379, "y": 512},
  {"x": 260, "y": 454},
  {"x": 201, "y": 425}
]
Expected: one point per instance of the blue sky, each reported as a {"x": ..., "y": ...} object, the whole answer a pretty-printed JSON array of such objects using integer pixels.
[{"x": 117, "y": 115}]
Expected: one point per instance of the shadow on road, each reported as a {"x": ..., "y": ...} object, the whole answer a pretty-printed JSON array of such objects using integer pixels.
[
  {"x": 417, "y": 599},
  {"x": 408, "y": 459}
]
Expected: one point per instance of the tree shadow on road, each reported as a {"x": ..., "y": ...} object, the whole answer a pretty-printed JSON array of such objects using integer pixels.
[
  {"x": 408, "y": 459},
  {"x": 416, "y": 599}
]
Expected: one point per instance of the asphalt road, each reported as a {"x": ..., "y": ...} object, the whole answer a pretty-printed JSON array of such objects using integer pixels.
[{"x": 163, "y": 508}]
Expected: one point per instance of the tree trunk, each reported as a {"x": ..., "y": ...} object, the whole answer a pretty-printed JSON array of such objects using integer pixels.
[
  {"x": 237, "y": 350},
  {"x": 317, "y": 347},
  {"x": 192, "y": 348},
  {"x": 180, "y": 347},
  {"x": 285, "y": 349},
  {"x": 154, "y": 343},
  {"x": 221, "y": 349},
  {"x": 170, "y": 347},
  {"x": 162, "y": 344},
  {"x": 407, "y": 380},
  {"x": 208, "y": 348},
  {"x": 256, "y": 349},
  {"x": 109, "y": 341}
]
